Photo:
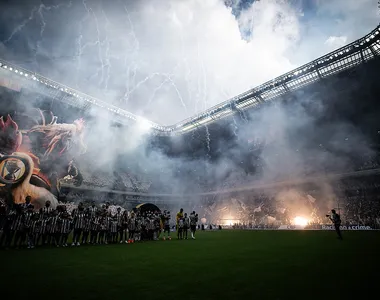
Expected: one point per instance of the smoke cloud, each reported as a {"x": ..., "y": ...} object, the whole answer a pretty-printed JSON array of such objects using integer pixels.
[{"x": 167, "y": 60}]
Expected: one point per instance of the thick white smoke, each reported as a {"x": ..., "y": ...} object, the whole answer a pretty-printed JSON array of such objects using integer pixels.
[{"x": 166, "y": 60}]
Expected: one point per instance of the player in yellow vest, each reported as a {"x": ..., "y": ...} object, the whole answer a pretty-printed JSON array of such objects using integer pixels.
[{"x": 179, "y": 216}]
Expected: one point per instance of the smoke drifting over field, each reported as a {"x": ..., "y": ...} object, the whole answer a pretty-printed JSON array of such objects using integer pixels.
[{"x": 167, "y": 60}]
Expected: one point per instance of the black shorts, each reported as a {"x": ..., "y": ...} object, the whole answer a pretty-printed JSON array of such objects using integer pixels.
[
  {"x": 185, "y": 228},
  {"x": 193, "y": 227},
  {"x": 167, "y": 228}
]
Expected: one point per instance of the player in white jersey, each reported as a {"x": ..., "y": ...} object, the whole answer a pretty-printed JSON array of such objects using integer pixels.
[
  {"x": 180, "y": 228},
  {"x": 166, "y": 224},
  {"x": 193, "y": 224},
  {"x": 186, "y": 225},
  {"x": 131, "y": 228}
]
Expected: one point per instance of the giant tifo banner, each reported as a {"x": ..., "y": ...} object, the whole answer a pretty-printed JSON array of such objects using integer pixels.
[{"x": 35, "y": 153}]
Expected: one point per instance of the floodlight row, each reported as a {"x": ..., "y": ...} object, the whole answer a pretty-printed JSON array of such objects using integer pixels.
[
  {"x": 304, "y": 75},
  {"x": 78, "y": 95}
]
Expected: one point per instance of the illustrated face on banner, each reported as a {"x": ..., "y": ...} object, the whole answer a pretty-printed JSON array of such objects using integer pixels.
[{"x": 34, "y": 157}]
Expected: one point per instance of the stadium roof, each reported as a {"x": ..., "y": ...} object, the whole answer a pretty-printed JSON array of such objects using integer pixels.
[{"x": 349, "y": 56}]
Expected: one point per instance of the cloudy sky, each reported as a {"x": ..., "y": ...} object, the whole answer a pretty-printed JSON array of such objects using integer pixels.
[{"x": 169, "y": 59}]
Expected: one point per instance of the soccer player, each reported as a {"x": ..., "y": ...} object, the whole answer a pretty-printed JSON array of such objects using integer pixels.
[
  {"x": 54, "y": 228},
  {"x": 92, "y": 210},
  {"x": 335, "y": 218},
  {"x": 180, "y": 229},
  {"x": 193, "y": 224},
  {"x": 86, "y": 227},
  {"x": 157, "y": 226},
  {"x": 138, "y": 228},
  {"x": 166, "y": 221},
  {"x": 119, "y": 220},
  {"x": 103, "y": 231},
  {"x": 18, "y": 227},
  {"x": 28, "y": 221},
  {"x": 131, "y": 228},
  {"x": 66, "y": 227},
  {"x": 186, "y": 224},
  {"x": 27, "y": 202},
  {"x": 35, "y": 229},
  {"x": 124, "y": 227},
  {"x": 95, "y": 227},
  {"x": 150, "y": 227},
  {"x": 7, "y": 234},
  {"x": 78, "y": 222},
  {"x": 45, "y": 214},
  {"x": 113, "y": 229},
  {"x": 179, "y": 216},
  {"x": 107, "y": 223}
]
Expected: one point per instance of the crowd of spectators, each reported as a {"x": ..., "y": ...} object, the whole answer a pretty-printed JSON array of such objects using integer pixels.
[{"x": 120, "y": 181}]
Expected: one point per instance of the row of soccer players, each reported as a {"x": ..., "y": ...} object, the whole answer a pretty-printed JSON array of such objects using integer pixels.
[{"x": 96, "y": 226}]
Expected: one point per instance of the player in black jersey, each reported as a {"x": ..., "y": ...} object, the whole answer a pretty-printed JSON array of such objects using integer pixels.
[
  {"x": 18, "y": 227},
  {"x": 95, "y": 228},
  {"x": 124, "y": 227},
  {"x": 113, "y": 230},
  {"x": 78, "y": 222},
  {"x": 119, "y": 220},
  {"x": 66, "y": 225},
  {"x": 86, "y": 227},
  {"x": 45, "y": 215},
  {"x": 28, "y": 221},
  {"x": 54, "y": 230}
]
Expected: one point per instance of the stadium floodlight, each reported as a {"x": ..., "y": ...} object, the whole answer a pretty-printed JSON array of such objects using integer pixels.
[
  {"x": 5, "y": 67},
  {"x": 11, "y": 69},
  {"x": 188, "y": 127},
  {"x": 144, "y": 123},
  {"x": 208, "y": 119}
]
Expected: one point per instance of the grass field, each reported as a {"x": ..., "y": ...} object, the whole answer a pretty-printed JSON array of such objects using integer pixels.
[{"x": 218, "y": 265}]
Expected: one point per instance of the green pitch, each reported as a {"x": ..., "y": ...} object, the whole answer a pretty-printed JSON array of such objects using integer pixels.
[{"x": 218, "y": 265}]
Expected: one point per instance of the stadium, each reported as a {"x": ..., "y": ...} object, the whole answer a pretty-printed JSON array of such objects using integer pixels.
[{"x": 92, "y": 190}]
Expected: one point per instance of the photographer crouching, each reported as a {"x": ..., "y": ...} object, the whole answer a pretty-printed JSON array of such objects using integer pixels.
[{"x": 335, "y": 218}]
